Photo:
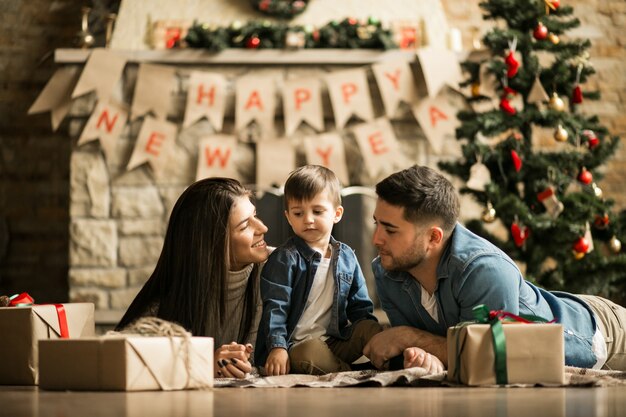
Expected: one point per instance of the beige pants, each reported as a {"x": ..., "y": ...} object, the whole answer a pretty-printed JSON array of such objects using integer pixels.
[
  {"x": 318, "y": 357},
  {"x": 611, "y": 319}
]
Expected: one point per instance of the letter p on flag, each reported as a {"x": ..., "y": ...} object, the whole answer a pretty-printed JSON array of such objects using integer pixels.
[
  {"x": 347, "y": 91},
  {"x": 301, "y": 95}
]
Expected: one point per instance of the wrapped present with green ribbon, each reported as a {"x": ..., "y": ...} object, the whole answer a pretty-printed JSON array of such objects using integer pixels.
[{"x": 502, "y": 348}]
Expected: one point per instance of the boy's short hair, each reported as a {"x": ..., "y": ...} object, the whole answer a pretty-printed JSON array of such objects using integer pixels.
[{"x": 307, "y": 181}]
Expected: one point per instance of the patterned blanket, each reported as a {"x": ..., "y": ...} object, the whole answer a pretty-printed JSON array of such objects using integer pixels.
[{"x": 414, "y": 377}]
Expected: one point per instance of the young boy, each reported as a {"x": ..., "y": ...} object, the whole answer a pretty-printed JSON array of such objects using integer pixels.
[{"x": 317, "y": 314}]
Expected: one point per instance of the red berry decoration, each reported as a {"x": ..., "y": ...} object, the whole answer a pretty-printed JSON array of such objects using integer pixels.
[
  {"x": 253, "y": 43},
  {"x": 540, "y": 32},
  {"x": 585, "y": 176},
  {"x": 581, "y": 245}
]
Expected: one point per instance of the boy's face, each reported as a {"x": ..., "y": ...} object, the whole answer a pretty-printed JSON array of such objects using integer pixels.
[{"x": 313, "y": 220}]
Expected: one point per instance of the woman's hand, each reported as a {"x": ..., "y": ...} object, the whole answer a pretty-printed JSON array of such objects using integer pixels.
[
  {"x": 277, "y": 362},
  {"x": 233, "y": 360},
  {"x": 414, "y": 356}
]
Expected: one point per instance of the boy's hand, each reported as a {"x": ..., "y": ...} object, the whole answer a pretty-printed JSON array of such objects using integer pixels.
[
  {"x": 414, "y": 356},
  {"x": 277, "y": 362}
]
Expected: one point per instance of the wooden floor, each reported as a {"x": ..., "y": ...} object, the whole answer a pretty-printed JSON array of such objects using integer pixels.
[{"x": 318, "y": 402}]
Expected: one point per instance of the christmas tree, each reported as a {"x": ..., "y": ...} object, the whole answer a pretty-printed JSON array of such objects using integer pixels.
[{"x": 530, "y": 79}]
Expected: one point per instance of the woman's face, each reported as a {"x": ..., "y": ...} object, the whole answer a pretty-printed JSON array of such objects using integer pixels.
[{"x": 246, "y": 235}]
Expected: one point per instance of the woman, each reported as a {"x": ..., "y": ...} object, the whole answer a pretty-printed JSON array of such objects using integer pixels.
[{"x": 207, "y": 276}]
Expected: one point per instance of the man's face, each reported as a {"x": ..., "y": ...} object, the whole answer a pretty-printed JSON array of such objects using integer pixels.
[{"x": 401, "y": 244}]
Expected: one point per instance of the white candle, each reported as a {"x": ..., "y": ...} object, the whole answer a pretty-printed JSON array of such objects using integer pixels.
[{"x": 455, "y": 40}]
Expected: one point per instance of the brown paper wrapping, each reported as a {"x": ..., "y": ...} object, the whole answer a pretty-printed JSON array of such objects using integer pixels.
[
  {"x": 22, "y": 327},
  {"x": 133, "y": 363},
  {"x": 534, "y": 354}
]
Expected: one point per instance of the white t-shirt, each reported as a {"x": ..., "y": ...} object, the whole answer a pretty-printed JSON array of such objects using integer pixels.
[
  {"x": 429, "y": 302},
  {"x": 316, "y": 315}
]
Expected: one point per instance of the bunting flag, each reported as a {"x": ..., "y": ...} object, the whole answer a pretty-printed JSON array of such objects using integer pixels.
[
  {"x": 437, "y": 118},
  {"x": 155, "y": 141},
  {"x": 438, "y": 68},
  {"x": 153, "y": 91},
  {"x": 255, "y": 101},
  {"x": 379, "y": 148},
  {"x": 302, "y": 102},
  {"x": 349, "y": 95},
  {"x": 216, "y": 157},
  {"x": 537, "y": 93},
  {"x": 395, "y": 82},
  {"x": 101, "y": 73},
  {"x": 206, "y": 97},
  {"x": 328, "y": 150},
  {"x": 275, "y": 159},
  {"x": 105, "y": 124},
  {"x": 56, "y": 96}
]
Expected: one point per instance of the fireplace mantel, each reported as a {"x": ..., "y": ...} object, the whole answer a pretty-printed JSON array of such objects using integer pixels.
[{"x": 246, "y": 56}]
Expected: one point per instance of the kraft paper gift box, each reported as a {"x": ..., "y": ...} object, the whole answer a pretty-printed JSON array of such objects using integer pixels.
[
  {"x": 22, "y": 327},
  {"x": 534, "y": 354},
  {"x": 126, "y": 363}
]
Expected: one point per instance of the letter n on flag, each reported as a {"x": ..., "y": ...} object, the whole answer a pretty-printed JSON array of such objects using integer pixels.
[
  {"x": 106, "y": 123},
  {"x": 437, "y": 118},
  {"x": 216, "y": 157}
]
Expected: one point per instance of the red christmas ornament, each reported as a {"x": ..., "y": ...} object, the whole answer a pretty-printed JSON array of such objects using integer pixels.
[
  {"x": 505, "y": 104},
  {"x": 520, "y": 234},
  {"x": 581, "y": 245},
  {"x": 601, "y": 222},
  {"x": 585, "y": 176},
  {"x": 253, "y": 42},
  {"x": 592, "y": 139},
  {"x": 540, "y": 32},
  {"x": 352, "y": 21},
  {"x": 577, "y": 95},
  {"x": 555, "y": 3},
  {"x": 512, "y": 64},
  {"x": 517, "y": 161},
  {"x": 264, "y": 5}
]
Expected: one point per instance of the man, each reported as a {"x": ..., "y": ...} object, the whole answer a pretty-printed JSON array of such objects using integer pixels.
[{"x": 431, "y": 272}]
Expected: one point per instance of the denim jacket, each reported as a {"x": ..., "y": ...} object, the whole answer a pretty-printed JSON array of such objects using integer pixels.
[
  {"x": 473, "y": 271},
  {"x": 286, "y": 281}
]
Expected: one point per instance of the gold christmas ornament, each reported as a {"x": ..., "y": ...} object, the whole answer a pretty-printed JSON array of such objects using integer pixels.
[
  {"x": 489, "y": 214},
  {"x": 615, "y": 245},
  {"x": 554, "y": 38},
  {"x": 556, "y": 103},
  {"x": 560, "y": 134},
  {"x": 475, "y": 89},
  {"x": 578, "y": 255}
]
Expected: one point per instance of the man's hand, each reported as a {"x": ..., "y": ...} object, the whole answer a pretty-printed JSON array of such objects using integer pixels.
[
  {"x": 384, "y": 346},
  {"x": 277, "y": 362},
  {"x": 392, "y": 342},
  {"x": 414, "y": 356}
]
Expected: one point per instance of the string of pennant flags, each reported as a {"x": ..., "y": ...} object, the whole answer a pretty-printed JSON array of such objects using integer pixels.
[{"x": 255, "y": 102}]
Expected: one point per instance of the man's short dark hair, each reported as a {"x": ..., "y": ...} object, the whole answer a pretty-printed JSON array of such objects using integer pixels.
[{"x": 424, "y": 193}]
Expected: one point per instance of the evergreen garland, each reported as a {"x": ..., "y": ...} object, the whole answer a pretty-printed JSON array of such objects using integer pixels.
[{"x": 348, "y": 33}]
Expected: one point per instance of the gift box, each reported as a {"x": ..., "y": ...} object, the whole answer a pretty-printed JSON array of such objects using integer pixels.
[
  {"x": 533, "y": 353},
  {"x": 126, "y": 363},
  {"x": 23, "y": 326}
]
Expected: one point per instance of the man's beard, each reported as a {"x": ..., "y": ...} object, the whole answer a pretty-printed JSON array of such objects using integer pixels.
[{"x": 406, "y": 262}]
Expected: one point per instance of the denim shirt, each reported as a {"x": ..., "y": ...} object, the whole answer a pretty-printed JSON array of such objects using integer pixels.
[
  {"x": 286, "y": 281},
  {"x": 473, "y": 271}
]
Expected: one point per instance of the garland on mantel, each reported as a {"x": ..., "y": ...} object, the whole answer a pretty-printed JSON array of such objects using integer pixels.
[
  {"x": 349, "y": 33},
  {"x": 285, "y": 9}
]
